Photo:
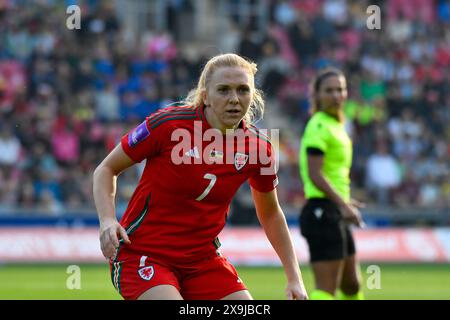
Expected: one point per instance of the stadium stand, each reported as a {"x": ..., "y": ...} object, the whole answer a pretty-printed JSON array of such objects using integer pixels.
[{"x": 67, "y": 96}]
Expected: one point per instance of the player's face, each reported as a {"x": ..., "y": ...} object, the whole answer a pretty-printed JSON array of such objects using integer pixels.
[
  {"x": 228, "y": 97},
  {"x": 332, "y": 94}
]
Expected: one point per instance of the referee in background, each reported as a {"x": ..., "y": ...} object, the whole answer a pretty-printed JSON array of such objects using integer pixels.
[{"x": 325, "y": 161}]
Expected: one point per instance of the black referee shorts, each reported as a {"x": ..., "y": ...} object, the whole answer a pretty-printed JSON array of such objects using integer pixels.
[{"x": 327, "y": 235}]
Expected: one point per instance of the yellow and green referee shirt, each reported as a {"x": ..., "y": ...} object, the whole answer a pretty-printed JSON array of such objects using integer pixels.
[{"x": 326, "y": 133}]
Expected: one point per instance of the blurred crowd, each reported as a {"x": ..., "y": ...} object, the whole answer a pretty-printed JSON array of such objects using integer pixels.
[{"x": 67, "y": 96}]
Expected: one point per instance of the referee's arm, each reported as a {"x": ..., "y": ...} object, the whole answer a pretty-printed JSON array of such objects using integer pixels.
[{"x": 315, "y": 163}]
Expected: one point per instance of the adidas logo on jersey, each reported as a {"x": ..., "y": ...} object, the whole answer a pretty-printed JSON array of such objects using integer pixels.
[{"x": 193, "y": 153}]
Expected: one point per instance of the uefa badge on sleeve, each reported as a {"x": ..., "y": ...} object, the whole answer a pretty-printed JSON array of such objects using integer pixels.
[
  {"x": 146, "y": 273},
  {"x": 240, "y": 160},
  {"x": 139, "y": 134}
]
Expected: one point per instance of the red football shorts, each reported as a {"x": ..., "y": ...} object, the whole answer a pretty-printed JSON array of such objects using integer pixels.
[{"x": 210, "y": 279}]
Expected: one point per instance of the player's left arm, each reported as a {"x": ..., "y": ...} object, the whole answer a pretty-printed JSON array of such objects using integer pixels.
[{"x": 272, "y": 220}]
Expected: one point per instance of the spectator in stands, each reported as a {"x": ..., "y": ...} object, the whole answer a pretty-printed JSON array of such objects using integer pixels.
[
  {"x": 383, "y": 174},
  {"x": 10, "y": 147},
  {"x": 407, "y": 193},
  {"x": 107, "y": 103},
  {"x": 44, "y": 68}
]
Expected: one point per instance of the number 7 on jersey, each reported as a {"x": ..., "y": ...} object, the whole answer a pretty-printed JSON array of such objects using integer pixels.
[{"x": 213, "y": 179}]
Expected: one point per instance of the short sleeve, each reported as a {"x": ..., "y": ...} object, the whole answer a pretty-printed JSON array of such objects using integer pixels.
[
  {"x": 265, "y": 178},
  {"x": 143, "y": 142},
  {"x": 315, "y": 136}
]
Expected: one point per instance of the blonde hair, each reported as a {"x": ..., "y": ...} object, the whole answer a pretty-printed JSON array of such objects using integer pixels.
[{"x": 195, "y": 97}]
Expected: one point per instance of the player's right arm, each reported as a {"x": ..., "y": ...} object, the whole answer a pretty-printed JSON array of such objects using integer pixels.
[{"x": 104, "y": 191}]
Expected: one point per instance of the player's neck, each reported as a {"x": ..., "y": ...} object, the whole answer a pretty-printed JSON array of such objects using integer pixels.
[{"x": 215, "y": 123}]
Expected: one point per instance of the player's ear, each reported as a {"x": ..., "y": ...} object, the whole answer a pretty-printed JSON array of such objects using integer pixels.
[{"x": 205, "y": 99}]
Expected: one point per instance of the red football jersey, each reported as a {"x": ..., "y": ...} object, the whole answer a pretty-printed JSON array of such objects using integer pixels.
[{"x": 182, "y": 200}]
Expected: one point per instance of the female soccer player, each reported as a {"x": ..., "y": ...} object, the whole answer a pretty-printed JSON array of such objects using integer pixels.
[
  {"x": 165, "y": 246},
  {"x": 325, "y": 161}
]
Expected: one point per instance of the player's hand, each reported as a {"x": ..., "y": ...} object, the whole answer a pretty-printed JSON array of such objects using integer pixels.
[
  {"x": 351, "y": 214},
  {"x": 110, "y": 234},
  {"x": 296, "y": 291}
]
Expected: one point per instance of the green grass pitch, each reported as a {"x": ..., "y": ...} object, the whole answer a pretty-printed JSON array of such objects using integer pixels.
[{"x": 48, "y": 282}]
